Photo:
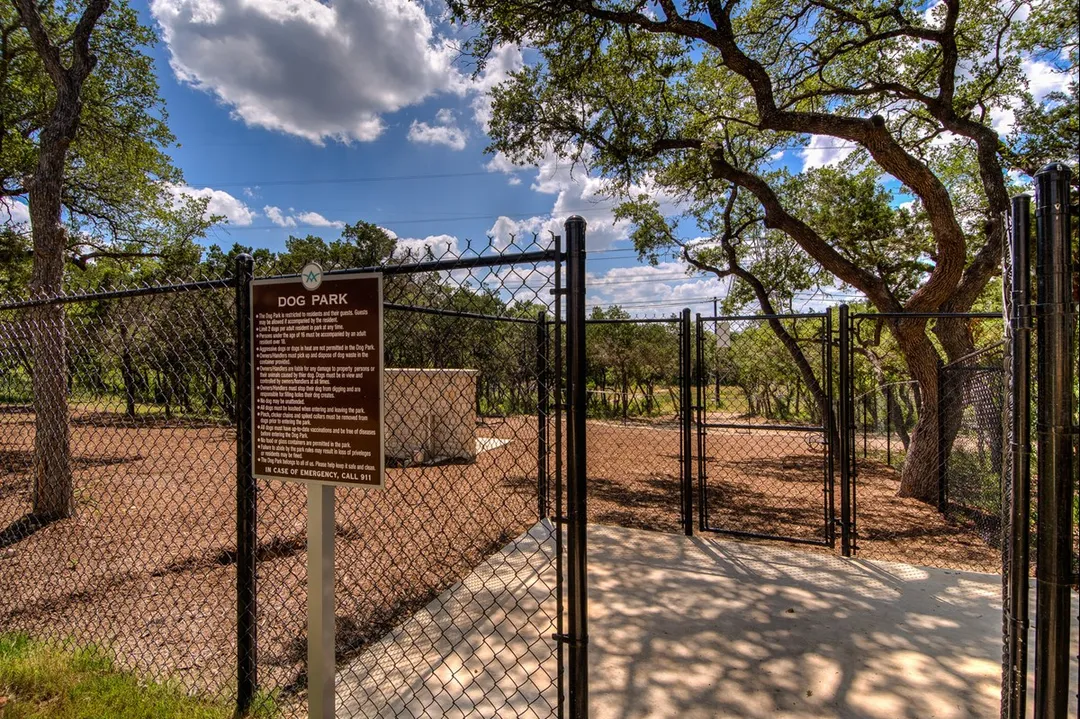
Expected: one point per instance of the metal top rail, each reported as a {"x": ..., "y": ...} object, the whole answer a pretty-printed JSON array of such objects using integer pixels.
[
  {"x": 458, "y": 263},
  {"x": 117, "y": 294},
  {"x": 927, "y": 315},
  {"x": 793, "y": 316},
  {"x": 632, "y": 320}
]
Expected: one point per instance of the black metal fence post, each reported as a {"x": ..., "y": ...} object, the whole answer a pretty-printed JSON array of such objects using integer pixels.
[
  {"x": 701, "y": 395},
  {"x": 942, "y": 453},
  {"x": 888, "y": 426},
  {"x": 830, "y": 431},
  {"x": 685, "y": 370},
  {"x": 544, "y": 509},
  {"x": 844, "y": 435},
  {"x": 1019, "y": 491},
  {"x": 577, "y": 548},
  {"x": 246, "y": 625},
  {"x": 1056, "y": 326}
]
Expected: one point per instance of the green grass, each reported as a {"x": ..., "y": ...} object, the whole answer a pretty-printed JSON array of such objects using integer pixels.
[{"x": 39, "y": 680}]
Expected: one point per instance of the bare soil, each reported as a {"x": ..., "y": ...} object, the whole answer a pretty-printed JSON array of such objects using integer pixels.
[
  {"x": 771, "y": 482},
  {"x": 147, "y": 565}
]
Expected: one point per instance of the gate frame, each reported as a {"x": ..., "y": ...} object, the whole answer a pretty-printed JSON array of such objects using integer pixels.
[
  {"x": 570, "y": 586},
  {"x": 826, "y": 429},
  {"x": 686, "y": 408}
]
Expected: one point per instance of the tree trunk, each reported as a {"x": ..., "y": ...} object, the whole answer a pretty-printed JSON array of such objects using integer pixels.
[
  {"x": 54, "y": 495},
  {"x": 919, "y": 476},
  {"x": 897, "y": 420},
  {"x": 54, "y": 492}
]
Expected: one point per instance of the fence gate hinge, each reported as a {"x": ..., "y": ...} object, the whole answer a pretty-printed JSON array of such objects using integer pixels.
[{"x": 567, "y": 639}]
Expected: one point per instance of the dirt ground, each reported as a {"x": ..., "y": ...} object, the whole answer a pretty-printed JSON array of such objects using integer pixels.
[
  {"x": 147, "y": 564},
  {"x": 770, "y": 482}
]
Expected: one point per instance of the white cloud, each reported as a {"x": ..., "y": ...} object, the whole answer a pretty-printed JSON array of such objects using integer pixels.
[
  {"x": 448, "y": 135},
  {"x": 418, "y": 248},
  {"x": 1042, "y": 79},
  {"x": 576, "y": 193},
  {"x": 824, "y": 151},
  {"x": 294, "y": 218},
  {"x": 503, "y": 61},
  {"x": 220, "y": 202},
  {"x": 646, "y": 290},
  {"x": 275, "y": 215},
  {"x": 14, "y": 214},
  {"x": 319, "y": 70},
  {"x": 314, "y": 218}
]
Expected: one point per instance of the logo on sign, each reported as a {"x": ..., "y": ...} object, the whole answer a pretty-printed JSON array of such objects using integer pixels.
[{"x": 311, "y": 276}]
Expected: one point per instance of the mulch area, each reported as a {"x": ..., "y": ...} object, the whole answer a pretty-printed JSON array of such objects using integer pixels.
[
  {"x": 146, "y": 565},
  {"x": 770, "y": 482}
]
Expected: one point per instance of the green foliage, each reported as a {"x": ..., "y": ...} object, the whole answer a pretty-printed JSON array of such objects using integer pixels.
[
  {"x": 118, "y": 195},
  {"x": 40, "y": 680},
  {"x": 632, "y": 368}
]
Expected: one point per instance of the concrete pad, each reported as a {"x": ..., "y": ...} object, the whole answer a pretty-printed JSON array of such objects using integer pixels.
[
  {"x": 707, "y": 627},
  {"x": 486, "y": 444},
  {"x": 482, "y": 648},
  {"x": 696, "y": 627}
]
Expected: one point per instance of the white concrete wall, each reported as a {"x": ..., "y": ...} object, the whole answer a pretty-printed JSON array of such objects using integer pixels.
[{"x": 430, "y": 414}]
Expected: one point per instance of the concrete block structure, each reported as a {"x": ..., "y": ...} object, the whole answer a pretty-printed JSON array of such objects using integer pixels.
[{"x": 430, "y": 415}]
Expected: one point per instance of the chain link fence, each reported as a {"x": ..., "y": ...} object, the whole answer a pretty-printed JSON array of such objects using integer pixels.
[
  {"x": 143, "y": 564},
  {"x": 971, "y": 469},
  {"x": 447, "y": 580},
  {"x": 764, "y": 460},
  {"x": 945, "y": 510}
]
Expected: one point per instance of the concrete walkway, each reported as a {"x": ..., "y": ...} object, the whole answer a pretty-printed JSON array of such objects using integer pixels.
[
  {"x": 707, "y": 627},
  {"x": 701, "y": 627}
]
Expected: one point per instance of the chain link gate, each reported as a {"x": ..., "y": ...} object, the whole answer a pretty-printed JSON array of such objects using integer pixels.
[
  {"x": 764, "y": 423},
  {"x": 458, "y": 586},
  {"x": 639, "y": 410}
]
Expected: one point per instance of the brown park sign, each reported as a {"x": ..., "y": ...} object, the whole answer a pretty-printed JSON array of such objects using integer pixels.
[{"x": 317, "y": 378}]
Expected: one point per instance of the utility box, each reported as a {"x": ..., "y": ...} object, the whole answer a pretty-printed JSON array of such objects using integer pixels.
[{"x": 430, "y": 415}]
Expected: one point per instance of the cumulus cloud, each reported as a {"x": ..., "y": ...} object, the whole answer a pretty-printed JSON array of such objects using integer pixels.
[
  {"x": 319, "y": 70},
  {"x": 419, "y": 247},
  {"x": 14, "y": 214},
  {"x": 444, "y": 132},
  {"x": 279, "y": 218},
  {"x": 646, "y": 290},
  {"x": 1042, "y": 79},
  {"x": 576, "y": 192},
  {"x": 220, "y": 202},
  {"x": 505, "y": 60},
  {"x": 824, "y": 151},
  {"x": 294, "y": 218},
  {"x": 314, "y": 218}
]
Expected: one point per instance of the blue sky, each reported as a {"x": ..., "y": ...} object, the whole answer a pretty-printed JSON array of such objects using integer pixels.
[
  {"x": 283, "y": 121},
  {"x": 295, "y": 116}
]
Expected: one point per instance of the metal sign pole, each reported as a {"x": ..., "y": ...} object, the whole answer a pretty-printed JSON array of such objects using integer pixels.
[{"x": 320, "y": 557}]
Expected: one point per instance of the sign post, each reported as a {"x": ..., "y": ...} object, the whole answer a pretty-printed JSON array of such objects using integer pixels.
[
  {"x": 320, "y": 562},
  {"x": 317, "y": 414}
]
